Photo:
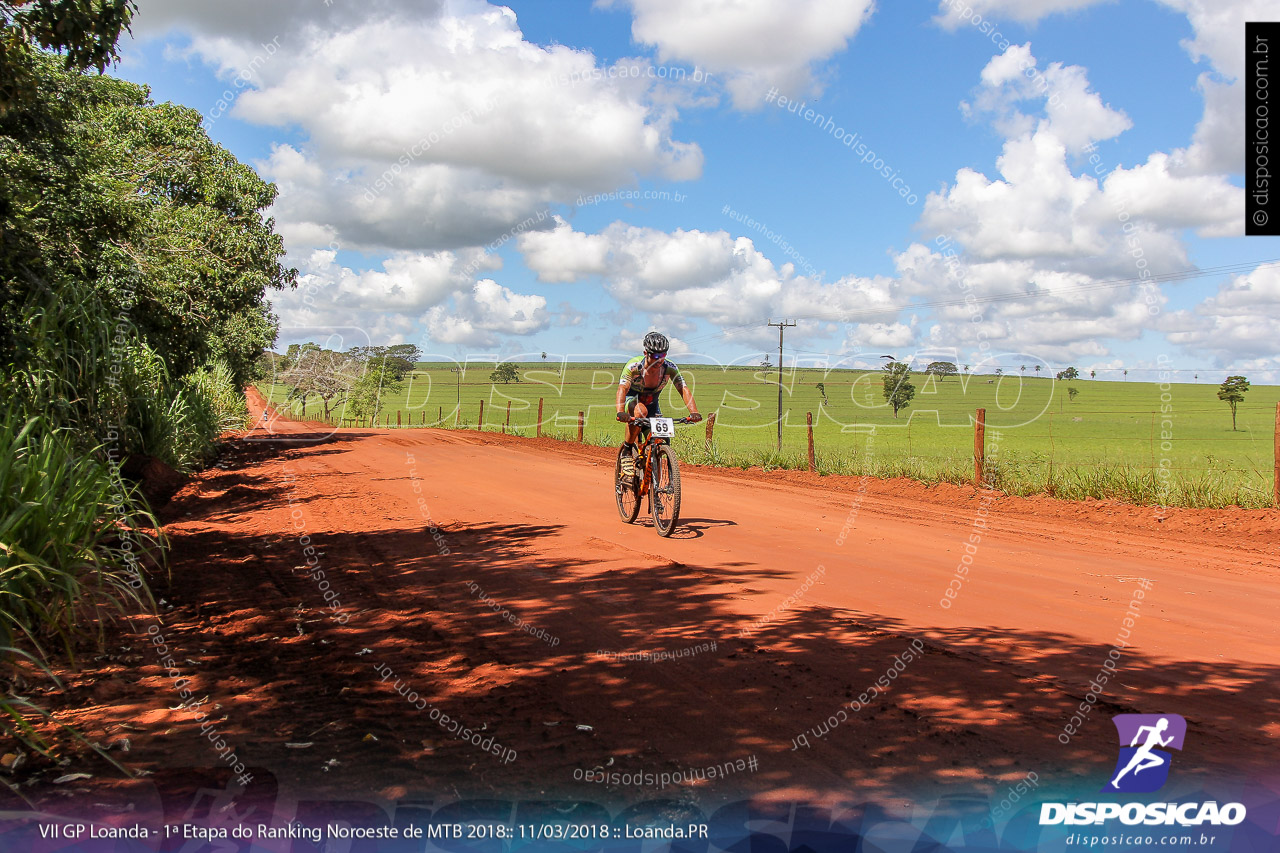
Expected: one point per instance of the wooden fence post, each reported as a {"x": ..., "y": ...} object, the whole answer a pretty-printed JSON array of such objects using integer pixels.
[
  {"x": 711, "y": 427},
  {"x": 813, "y": 466},
  {"x": 1277, "y": 454},
  {"x": 397, "y": 417},
  {"x": 580, "y": 425},
  {"x": 539, "y": 427},
  {"x": 508, "y": 423},
  {"x": 979, "y": 446},
  {"x": 480, "y": 423}
]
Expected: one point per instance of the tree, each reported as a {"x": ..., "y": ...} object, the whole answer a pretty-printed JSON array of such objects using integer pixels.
[
  {"x": 326, "y": 374},
  {"x": 505, "y": 373},
  {"x": 1023, "y": 368},
  {"x": 295, "y": 352},
  {"x": 544, "y": 357},
  {"x": 999, "y": 371},
  {"x": 375, "y": 378},
  {"x": 766, "y": 363},
  {"x": 131, "y": 203},
  {"x": 1037, "y": 368},
  {"x": 966, "y": 368},
  {"x": 399, "y": 360},
  {"x": 406, "y": 355},
  {"x": 822, "y": 389},
  {"x": 1093, "y": 374},
  {"x": 1232, "y": 391},
  {"x": 84, "y": 33},
  {"x": 941, "y": 369},
  {"x": 1126, "y": 375},
  {"x": 898, "y": 389},
  {"x": 372, "y": 371},
  {"x": 1072, "y": 393},
  {"x": 1068, "y": 374}
]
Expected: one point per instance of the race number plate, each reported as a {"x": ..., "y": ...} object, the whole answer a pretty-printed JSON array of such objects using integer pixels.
[{"x": 662, "y": 427}]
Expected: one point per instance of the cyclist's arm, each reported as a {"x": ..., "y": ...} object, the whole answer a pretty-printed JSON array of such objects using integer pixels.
[
  {"x": 687, "y": 393},
  {"x": 621, "y": 402}
]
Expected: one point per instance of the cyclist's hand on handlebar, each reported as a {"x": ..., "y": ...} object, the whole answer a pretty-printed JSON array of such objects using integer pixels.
[
  {"x": 624, "y": 417},
  {"x": 694, "y": 418}
]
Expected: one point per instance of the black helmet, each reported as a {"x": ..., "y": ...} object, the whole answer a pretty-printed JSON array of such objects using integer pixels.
[{"x": 656, "y": 342}]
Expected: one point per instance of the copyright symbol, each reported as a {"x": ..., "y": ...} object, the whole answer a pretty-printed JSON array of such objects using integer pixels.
[{"x": 1260, "y": 218}]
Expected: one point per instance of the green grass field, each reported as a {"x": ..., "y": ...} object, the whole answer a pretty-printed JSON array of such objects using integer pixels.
[{"x": 1112, "y": 441}]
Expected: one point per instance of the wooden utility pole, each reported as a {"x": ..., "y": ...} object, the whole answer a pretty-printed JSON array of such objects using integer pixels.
[{"x": 783, "y": 325}]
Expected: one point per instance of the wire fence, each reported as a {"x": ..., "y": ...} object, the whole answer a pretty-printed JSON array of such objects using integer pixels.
[{"x": 1186, "y": 457}]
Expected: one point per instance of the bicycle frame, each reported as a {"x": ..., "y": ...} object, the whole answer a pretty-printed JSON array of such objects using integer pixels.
[{"x": 644, "y": 451}]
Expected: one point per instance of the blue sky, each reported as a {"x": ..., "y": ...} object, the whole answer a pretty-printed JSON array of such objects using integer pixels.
[{"x": 430, "y": 159}]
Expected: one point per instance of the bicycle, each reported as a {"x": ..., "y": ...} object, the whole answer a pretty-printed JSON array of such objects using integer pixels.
[{"x": 657, "y": 475}]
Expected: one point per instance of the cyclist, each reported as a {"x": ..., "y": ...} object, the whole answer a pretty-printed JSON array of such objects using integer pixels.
[{"x": 641, "y": 384}]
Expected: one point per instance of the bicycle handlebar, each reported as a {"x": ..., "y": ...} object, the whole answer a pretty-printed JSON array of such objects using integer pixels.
[{"x": 642, "y": 421}]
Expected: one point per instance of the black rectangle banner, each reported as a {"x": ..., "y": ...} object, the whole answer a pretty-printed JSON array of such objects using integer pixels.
[{"x": 1262, "y": 192}]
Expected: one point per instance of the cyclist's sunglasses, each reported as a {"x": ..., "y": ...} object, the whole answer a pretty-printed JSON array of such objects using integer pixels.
[{"x": 657, "y": 356}]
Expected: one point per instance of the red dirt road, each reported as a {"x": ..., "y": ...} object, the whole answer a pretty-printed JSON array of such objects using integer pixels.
[{"x": 831, "y": 584}]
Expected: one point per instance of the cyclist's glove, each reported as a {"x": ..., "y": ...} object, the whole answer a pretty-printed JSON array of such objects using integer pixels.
[
  {"x": 695, "y": 418},
  {"x": 623, "y": 417}
]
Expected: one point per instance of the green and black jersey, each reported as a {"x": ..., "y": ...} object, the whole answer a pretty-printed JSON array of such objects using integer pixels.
[{"x": 633, "y": 378}]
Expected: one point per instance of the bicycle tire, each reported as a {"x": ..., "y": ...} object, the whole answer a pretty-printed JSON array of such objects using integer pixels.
[
  {"x": 626, "y": 494},
  {"x": 664, "y": 492}
]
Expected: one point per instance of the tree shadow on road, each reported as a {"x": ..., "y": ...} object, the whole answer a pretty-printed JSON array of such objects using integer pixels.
[{"x": 587, "y": 656}]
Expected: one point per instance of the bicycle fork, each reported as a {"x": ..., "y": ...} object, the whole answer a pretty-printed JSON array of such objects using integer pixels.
[{"x": 642, "y": 469}]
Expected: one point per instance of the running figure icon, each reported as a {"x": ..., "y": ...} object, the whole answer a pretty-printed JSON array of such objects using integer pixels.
[{"x": 1143, "y": 759}]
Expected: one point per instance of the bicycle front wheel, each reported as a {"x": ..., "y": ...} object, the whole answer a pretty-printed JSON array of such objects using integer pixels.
[
  {"x": 664, "y": 491},
  {"x": 626, "y": 492}
]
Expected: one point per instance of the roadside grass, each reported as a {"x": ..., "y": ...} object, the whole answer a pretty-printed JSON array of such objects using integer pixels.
[{"x": 78, "y": 397}]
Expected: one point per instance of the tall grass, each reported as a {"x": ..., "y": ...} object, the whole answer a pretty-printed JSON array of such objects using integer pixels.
[
  {"x": 79, "y": 394},
  {"x": 75, "y": 540},
  {"x": 179, "y": 422},
  {"x": 74, "y": 537}
]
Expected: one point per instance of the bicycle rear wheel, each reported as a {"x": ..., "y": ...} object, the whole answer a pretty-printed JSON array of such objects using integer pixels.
[
  {"x": 664, "y": 491},
  {"x": 626, "y": 493}
]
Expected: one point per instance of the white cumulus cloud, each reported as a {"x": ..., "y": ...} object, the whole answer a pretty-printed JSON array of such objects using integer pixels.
[{"x": 756, "y": 45}]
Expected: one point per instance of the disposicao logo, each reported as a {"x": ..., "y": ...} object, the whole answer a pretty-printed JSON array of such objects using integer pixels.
[{"x": 1143, "y": 767}]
